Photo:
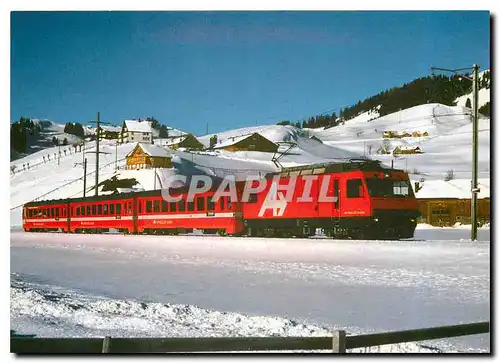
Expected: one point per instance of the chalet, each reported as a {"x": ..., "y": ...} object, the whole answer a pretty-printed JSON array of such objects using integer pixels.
[
  {"x": 444, "y": 203},
  {"x": 416, "y": 134},
  {"x": 405, "y": 134},
  {"x": 136, "y": 131},
  {"x": 425, "y": 133},
  {"x": 406, "y": 150},
  {"x": 147, "y": 156},
  {"x": 249, "y": 142},
  {"x": 187, "y": 141},
  {"x": 390, "y": 135},
  {"x": 109, "y": 132}
]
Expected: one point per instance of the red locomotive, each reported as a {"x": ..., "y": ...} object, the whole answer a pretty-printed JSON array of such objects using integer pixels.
[{"x": 355, "y": 199}]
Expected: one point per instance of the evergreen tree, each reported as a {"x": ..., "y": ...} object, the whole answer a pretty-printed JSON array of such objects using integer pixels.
[
  {"x": 485, "y": 109},
  {"x": 65, "y": 141},
  {"x": 467, "y": 103},
  {"x": 163, "y": 132}
]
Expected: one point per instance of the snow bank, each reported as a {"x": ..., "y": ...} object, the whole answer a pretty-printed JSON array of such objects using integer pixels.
[{"x": 48, "y": 311}]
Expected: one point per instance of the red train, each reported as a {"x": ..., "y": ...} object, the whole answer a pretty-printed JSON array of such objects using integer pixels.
[{"x": 364, "y": 200}]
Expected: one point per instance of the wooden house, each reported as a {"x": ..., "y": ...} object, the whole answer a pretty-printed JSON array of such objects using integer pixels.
[
  {"x": 136, "y": 131},
  {"x": 406, "y": 150},
  {"x": 444, "y": 203},
  {"x": 147, "y": 156},
  {"x": 416, "y": 134},
  {"x": 249, "y": 142},
  {"x": 109, "y": 132},
  {"x": 443, "y": 212},
  {"x": 425, "y": 133},
  {"x": 391, "y": 135},
  {"x": 187, "y": 141}
]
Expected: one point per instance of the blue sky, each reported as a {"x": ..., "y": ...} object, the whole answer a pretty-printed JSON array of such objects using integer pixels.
[{"x": 227, "y": 69}]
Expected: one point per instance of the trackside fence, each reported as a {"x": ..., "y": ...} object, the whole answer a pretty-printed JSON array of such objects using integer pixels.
[{"x": 338, "y": 343}]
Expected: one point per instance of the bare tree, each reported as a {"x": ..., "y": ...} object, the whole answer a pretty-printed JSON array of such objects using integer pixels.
[
  {"x": 385, "y": 147},
  {"x": 450, "y": 175}
]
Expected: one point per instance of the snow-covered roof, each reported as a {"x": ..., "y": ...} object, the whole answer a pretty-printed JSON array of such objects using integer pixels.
[
  {"x": 404, "y": 147},
  {"x": 456, "y": 188},
  {"x": 153, "y": 150},
  {"x": 231, "y": 141},
  {"x": 110, "y": 128},
  {"x": 175, "y": 140},
  {"x": 138, "y": 126}
]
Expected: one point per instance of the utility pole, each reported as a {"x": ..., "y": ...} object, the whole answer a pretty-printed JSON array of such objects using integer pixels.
[
  {"x": 97, "y": 152},
  {"x": 154, "y": 188},
  {"x": 58, "y": 152},
  {"x": 84, "y": 176},
  {"x": 97, "y": 156},
  {"x": 475, "y": 100},
  {"x": 475, "y": 189},
  {"x": 84, "y": 163}
]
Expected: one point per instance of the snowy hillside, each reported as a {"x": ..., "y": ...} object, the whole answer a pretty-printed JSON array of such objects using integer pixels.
[{"x": 448, "y": 146}]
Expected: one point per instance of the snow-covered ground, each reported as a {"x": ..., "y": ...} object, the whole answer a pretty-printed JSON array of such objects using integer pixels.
[{"x": 96, "y": 285}]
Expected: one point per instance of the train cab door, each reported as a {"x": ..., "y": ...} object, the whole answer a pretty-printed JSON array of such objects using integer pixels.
[
  {"x": 336, "y": 205},
  {"x": 68, "y": 216}
]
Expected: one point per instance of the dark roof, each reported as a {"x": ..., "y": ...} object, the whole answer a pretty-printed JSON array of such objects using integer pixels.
[{"x": 338, "y": 167}]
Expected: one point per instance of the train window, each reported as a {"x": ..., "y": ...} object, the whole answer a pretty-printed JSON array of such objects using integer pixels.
[
  {"x": 164, "y": 206},
  {"x": 190, "y": 206},
  {"x": 200, "y": 203},
  {"x": 173, "y": 207},
  {"x": 129, "y": 207},
  {"x": 82, "y": 210},
  {"x": 336, "y": 193},
  {"x": 77, "y": 211},
  {"x": 111, "y": 208},
  {"x": 57, "y": 212},
  {"x": 149, "y": 206},
  {"x": 221, "y": 202},
  {"x": 99, "y": 209},
  {"x": 140, "y": 206},
  {"x": 44, "y": 213},
  {"x": 354, "y": 188},
  {"x": 118, "y": 208},
  {"x": 105, "y": 209},
  {"x": 51, "y": 212},
  {"x": 94, "y": 210},
  {"x": 156, "y": 206},
  {"x": 182, "y": 205},
  {"x": 252, "y": 198},
  {"x": 229, "y": 204},
  {"x": 210, "y": 204}
]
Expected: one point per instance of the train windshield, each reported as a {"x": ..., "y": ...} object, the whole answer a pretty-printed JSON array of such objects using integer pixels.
[{"x": 389, "y": 188}]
